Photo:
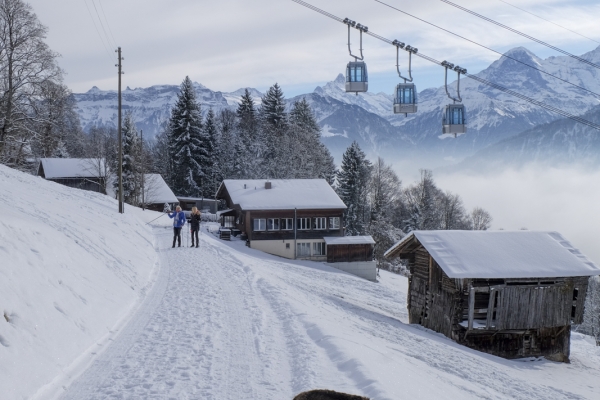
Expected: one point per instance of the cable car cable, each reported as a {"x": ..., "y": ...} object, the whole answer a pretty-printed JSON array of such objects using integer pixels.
[
  {"x": 98, "y": 32},
  {"x": 492, "y": 50},
  {"x": 464, "y": 72},
  {"x": 107, "y": 24},
  {"x": 522, "y": 34},
  {"x": 547, "y": 20}
]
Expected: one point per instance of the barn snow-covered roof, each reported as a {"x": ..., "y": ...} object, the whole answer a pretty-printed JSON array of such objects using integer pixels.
[
  {"x": 500, "y": 254},
  {"x": 57, "y": 168},
  {"x": 285, "y": 194}
]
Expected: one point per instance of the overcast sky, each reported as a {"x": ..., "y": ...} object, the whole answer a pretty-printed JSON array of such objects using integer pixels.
[{"x": 228, "y": 44}]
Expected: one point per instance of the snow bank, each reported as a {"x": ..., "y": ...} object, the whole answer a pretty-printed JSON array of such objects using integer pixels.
[{"x": 71, "y": 268}]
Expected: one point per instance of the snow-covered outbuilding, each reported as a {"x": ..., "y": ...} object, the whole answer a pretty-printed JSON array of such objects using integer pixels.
[
  {"x": 294, "y": 218},
  {"x": 157, "y": 193},
  {"x": 511, "y": 294},
  {"x": 80, "y": 173}
]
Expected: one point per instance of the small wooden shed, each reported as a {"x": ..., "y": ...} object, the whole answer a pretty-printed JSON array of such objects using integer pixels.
[
  {"x": 511, "y": 294},
  {"x": 80, "y": 173}
]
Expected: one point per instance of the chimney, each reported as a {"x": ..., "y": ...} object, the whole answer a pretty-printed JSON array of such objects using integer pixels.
[{"x": 267, "y": 185}]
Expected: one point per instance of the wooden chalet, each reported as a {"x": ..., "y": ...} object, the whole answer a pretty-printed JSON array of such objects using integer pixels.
[
  {"x": 511, "y": 294},
  {"x": 80, "y": 173},
  {"x": 293, "y": 218}
]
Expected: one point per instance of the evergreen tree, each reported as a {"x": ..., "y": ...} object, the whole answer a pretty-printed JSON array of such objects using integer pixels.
[
  {"x": 226, "y": 146},
  {"x": 274, "y": 126},
  {"x": 353, "y": 180},
  {"x": 187, "y": 143},
  {"x": 130, "y": 166},
  {"x": 249, "y": 146},
  {"x": 211, "y": 166}
]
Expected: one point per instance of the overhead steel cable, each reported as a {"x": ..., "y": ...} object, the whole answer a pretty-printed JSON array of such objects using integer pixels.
[
  {"x": 490, "y": 49},
  {"x": 522, "y": 34},
  {"x": 107, "y": 24},
  {"x": 102, "y": 24},
  {"x": 98, "y": 32},
  {"x": 476, "y": 78},
  {"x": 547, "y": 20}
]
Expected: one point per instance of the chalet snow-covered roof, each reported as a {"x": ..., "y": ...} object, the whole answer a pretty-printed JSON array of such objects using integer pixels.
[
  {"x": 349, "y": 240},
  {"x": 57, "y": 168},
  {"x": 499, "y": 254},
  {"x": 285, "y": 194},
  {"x": 157, "y": 190}
]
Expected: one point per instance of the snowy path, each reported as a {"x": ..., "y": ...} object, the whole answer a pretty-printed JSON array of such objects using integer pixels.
[{"x": 227, "y": 322}]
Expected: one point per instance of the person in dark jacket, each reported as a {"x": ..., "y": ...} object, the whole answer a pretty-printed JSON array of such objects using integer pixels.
[
  {"x": 195, "y": 225},
  {"x": 178, "y": 221}
]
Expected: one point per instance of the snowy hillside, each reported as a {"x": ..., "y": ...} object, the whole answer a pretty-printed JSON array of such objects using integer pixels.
[
  {"x": 368, "y": 118},
  {"x": 87, "y": 315},
  {"x": 71, "y": 268}
]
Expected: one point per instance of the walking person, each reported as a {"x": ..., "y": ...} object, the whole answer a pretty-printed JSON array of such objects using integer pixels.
[
  {"x": 178, "y": 221},
  {"x": 195, "y": 225}
]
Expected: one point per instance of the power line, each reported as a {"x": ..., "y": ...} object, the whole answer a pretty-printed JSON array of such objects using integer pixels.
[
  {"x": 490, "y": 49},
  {"x": 102, "y": 24},
  {"x": 106, "y": 20},
  {"x": 97, "y": 31},
  {"x": 476, "y": 78},
  {"x": 522, "y": 34},
  {"x": 547, "y": 20}
]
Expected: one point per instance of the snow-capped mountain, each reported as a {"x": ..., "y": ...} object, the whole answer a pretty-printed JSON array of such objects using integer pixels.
[
  {"x": 558, "y": 143},
  {"x": 492, "y": 115}
]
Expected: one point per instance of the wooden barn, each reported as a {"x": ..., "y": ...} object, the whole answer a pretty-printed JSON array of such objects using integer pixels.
[
  {"x": 80, "y": 173},
  {"x": 511, "y": 294}
]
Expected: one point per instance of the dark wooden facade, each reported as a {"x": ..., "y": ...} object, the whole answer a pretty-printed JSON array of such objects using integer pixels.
[
  {"x": 349, "y": 252},
  {"x": 243, "y": 220},
  {"x": 510, "y": 318},
  {"x": 93, "y": 184}
]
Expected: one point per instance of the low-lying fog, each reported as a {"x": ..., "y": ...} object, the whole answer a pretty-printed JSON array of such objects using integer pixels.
[{"x": 566, "y": 200}]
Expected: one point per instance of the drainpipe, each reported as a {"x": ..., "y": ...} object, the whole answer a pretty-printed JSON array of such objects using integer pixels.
[{"x": 295, "y": 233}]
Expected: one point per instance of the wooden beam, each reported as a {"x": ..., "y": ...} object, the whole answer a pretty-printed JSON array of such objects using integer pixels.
[{"x": 471, "y": 307}]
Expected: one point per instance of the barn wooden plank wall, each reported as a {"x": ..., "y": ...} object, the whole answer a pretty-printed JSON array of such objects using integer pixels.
[{"x": 510, "y": 318}]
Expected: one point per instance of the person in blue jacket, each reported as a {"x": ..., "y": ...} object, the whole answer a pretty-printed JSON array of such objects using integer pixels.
[{"x": 178, "y": 221}]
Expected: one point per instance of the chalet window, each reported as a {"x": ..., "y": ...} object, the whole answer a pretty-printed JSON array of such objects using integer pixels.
[
  {"x": 303, "y": 250},
  {"x": 334, "y": 222},
  {"x": 287, "y": 224},
  {"x": 303, "y": 224},
  {"x": 273, "y": 224},
  {"x": 259, "y": 224},
  {"x": 320, "y": 223},
  {"x": 319, "y": 248}
]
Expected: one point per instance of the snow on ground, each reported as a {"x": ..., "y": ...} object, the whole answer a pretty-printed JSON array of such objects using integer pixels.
[
  {"x": 228, "y": 322},
  {"x": 71, "y": 268},
  {"x": 221, "y": 321}
]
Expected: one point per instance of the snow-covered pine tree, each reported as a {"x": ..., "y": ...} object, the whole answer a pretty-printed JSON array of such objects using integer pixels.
[
  {"x": 187, "y": 143},
  {"x": 274, "y": 124},
  {"x": 249, "y": 146},
  {"x": 309, "y": 158},
  {"x": 60, "y": 151},
  {"x": 353, "y": 181},
  {"x": 131, "y": 167},
  {"x": 419, "y": 205},
  {"x": 384, "y": 198},
  {"x": 210, "y": 167},
  {"x": 226, "y": 146}
]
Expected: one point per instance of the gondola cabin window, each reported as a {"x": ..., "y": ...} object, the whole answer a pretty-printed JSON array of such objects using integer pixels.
[{"x": 259, "y": 224}]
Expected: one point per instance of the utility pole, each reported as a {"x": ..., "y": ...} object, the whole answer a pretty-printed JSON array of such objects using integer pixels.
[{"x": 121, "y": 205}]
